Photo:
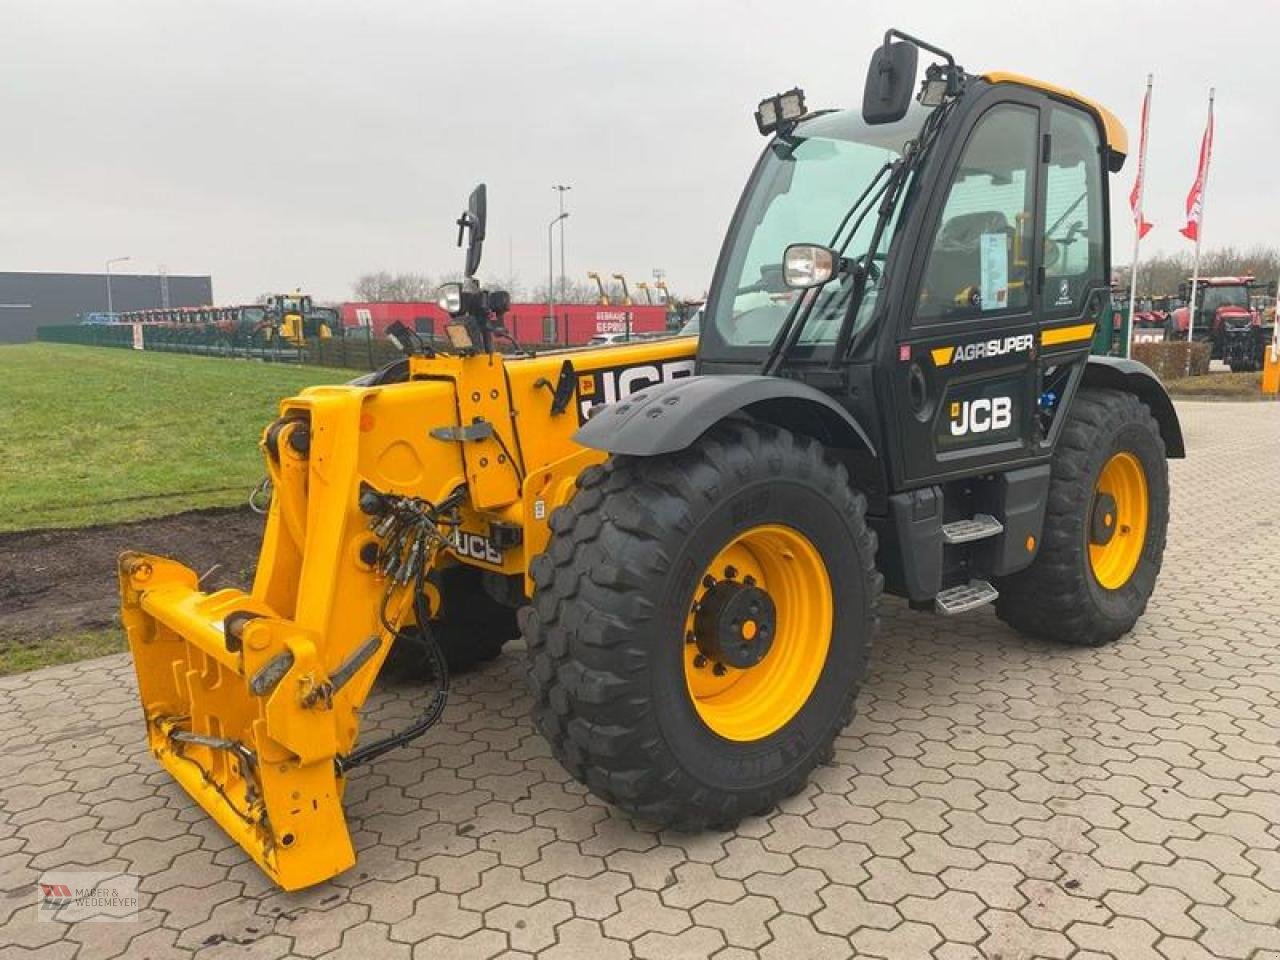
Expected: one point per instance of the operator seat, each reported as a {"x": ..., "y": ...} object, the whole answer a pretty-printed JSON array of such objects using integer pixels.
[{"x": 955, "y": 265}]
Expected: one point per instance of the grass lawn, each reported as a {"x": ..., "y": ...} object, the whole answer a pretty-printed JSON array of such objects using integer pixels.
[
  {"x": 94, "y": 435},
  {"x": 19, "y": 657},
  {"x": 1218, "y": 386}
]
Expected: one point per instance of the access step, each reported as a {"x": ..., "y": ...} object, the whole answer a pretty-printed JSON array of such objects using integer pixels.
[
  {"x": 978, "y": 527},
  {"x": 965, "y": 597}
]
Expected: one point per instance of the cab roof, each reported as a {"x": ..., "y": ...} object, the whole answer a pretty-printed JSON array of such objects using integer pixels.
[
  {"x": 1223, "y": 281},
  {"x": 1116, "y": 135}
]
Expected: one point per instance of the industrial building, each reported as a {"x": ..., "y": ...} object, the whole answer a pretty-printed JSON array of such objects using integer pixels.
[{"x": 31, "y": 300}]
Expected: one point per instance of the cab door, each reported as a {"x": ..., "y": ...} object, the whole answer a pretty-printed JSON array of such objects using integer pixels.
[{"x": 964, "y": 384}]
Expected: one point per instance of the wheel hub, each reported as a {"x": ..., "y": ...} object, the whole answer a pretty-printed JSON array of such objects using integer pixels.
[
  {"x": 1102, "y": 524},
  {"x": 735, "y": 624}
]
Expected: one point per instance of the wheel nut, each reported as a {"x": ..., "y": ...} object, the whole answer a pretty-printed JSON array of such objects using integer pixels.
[
  {"x": 730, "y": 572},
  {"x": 699, "y": 661},
  {"x": 719, "y": 670},
  {"x": 749, "y": 580},
  {"x": 689, "y": 637},
  {"x": 708, "y": 581}
]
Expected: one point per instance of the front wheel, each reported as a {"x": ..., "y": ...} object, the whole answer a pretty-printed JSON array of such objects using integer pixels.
[
  {"x": 701, "y": 624},
  {"x": 1104, "y": 530}
]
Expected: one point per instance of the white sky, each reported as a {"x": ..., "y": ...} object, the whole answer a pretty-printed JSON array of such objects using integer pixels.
[{"x": 279, "y": 144}]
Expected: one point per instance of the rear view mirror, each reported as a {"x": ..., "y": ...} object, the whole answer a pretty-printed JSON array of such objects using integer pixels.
[
  {"x": 891, "y": 79},
  {"x": 474, "y": 221}
]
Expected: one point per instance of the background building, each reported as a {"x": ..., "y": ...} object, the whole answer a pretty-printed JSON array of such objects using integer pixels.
[{"x": 30, "y": 300}]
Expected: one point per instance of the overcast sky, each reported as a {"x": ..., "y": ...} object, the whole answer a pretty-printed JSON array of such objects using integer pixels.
[{"x": 280, "y": 144}]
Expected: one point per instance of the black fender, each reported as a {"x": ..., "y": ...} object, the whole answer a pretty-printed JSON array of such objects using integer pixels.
[
  {"x": 1117, "y": 373},
  {"x": 670, "y": 416}
]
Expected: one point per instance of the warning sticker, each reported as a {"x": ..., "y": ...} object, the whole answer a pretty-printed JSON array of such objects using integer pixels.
[
  {"x": 1064, "y": 294},
  {"x": 994, "y": 287}
]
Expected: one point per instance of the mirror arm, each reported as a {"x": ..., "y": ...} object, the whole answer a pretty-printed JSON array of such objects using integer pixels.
[{"x": 955, "y": 74}]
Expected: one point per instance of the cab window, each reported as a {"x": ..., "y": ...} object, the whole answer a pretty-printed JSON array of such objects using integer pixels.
[
  {"x": 1072, "y": 245},
  {"x": 979, "y": 261}
]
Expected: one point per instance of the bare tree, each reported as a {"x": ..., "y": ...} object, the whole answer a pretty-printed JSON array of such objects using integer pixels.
[
  {"x": 372, "y": 287},
  {"x": 1161, "y": 275}
]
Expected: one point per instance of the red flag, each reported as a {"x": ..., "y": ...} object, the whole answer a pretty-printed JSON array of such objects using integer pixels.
[
  {"x": 1195, "y": 199},
  {"x": 1135, "y": 195}
]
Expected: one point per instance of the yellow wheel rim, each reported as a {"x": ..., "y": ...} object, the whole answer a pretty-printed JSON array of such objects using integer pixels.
[
  {"x": 1118, "y": 521},
  {"x": 754, "y": 702}
]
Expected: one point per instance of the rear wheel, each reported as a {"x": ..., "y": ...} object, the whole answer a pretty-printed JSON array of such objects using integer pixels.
[
  {"x": 1104, "y": 530},
  {"x": 701, "y": 624}
]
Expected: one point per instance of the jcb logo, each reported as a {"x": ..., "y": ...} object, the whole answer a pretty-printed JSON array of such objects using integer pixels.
[
  {"x": 476, "y": 547},
  {"x": 617, "y": 383},
  {"x": 981, "y": 415}
]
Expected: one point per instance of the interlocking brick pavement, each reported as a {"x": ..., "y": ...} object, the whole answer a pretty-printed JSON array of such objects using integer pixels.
[{"x": 995, "y": 797}]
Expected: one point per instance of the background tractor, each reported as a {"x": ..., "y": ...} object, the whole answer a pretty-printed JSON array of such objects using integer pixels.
[
  {"x": 1225, "y": 319},
  {"x": 892, "y": 389}
]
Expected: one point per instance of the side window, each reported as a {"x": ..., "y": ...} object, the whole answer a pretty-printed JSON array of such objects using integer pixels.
[
  {"x": 979, "y": 262},
  {"x": 1072, "y": 250}
]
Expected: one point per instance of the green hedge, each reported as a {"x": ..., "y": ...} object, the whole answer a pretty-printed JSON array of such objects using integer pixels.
[{"x": 1174, "y": 360}]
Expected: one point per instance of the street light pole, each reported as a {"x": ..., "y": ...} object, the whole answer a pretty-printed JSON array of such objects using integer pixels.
[
  {"x": 551, "y": 274},
  {"x": 109, "y": 263},
  {"x": 562, "y": 188}
]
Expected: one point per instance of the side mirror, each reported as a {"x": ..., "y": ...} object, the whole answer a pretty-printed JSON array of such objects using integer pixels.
[
  {"x": 476, "y": 215},
  {"x": 891, "y": 78},
  {"x": 806, "y": 265}
]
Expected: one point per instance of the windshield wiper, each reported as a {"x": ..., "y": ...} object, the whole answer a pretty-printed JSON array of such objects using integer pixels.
[
  {"x": 789, "y": 333},
  {"x": 914, "y": 154}
]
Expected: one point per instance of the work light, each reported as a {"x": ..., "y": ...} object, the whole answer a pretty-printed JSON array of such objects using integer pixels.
[
  {"x": 934, "y": 87},
  {"x": 806, "y": 265},
  {"x": 449, "y": 298},
  {"x": 459, "y": 335},
  {"x": 780, "y": 112}
]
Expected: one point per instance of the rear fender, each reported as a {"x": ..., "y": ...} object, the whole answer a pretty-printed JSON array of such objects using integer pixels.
[{"x": 1117, "y": 373}]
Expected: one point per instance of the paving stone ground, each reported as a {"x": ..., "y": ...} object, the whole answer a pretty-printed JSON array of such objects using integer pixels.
[{"x": 996, "y": 797}]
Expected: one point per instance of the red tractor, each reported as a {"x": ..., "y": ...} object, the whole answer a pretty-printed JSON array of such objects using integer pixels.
[{"x": 1225, "y": 320}]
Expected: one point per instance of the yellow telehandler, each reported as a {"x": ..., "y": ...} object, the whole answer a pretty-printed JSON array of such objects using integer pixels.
[{"x": 892, "y": 388}]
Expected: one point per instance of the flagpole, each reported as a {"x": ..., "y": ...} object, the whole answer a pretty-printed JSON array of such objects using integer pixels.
[
  {"x": 1195, "y": 272},
  {"x": 1138, "y": 222}
]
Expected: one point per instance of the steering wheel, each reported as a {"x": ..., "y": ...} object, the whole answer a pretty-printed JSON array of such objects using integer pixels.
[{"x": 771, "y": 281}]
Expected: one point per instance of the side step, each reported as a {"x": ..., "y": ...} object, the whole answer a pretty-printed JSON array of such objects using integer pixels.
[
  {"x": 979, "y": 527},
  {"x": 965, "y": 597}
]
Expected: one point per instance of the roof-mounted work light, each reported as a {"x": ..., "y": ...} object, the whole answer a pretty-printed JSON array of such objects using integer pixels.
[{"x": 780, "y": 112}]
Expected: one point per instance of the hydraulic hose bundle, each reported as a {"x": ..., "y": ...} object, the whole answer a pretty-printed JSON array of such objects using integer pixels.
[{"x": 412, "y": 531}]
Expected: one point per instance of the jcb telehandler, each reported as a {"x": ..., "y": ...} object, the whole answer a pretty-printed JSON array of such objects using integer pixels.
[
  {"x": 292, "y": 317},
  {"x": 892, "y": 388}
]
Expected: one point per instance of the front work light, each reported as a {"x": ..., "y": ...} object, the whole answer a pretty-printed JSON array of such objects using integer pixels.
[
  {"x": 806, "y": 265},
  {"x": 780, "y": 112},
  {"x": 933, "y": 90},
  {"x": 449, "y": 298},
  {"x": 458, "y": 334}
]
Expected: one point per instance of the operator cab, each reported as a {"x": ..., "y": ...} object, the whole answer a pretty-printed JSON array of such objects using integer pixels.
[{"x": 938, "y": 269}]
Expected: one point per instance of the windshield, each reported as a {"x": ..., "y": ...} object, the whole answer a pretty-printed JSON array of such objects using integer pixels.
[
  {"x": 1215, "y": 297},
  {"x": 802, "y": 191}
]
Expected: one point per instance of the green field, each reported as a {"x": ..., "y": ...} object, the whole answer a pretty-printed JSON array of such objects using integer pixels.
[{"x": 93, "y": 435}]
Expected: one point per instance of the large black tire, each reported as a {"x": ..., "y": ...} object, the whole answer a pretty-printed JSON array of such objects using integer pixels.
[
  {"x": 606, "y": 628},
  {"x": 1059, "y": 597}
]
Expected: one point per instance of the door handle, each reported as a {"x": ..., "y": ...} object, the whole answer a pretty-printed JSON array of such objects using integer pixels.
[{"x": 918, "y": 393}]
